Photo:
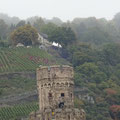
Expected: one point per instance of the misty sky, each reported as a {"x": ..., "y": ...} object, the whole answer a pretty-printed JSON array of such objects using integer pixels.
[{"x": 64, "y": 9}]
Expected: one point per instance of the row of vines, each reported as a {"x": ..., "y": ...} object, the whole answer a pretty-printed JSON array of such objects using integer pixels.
[
  {"x": 23, "y": 59},
  {"x": 17, "y": 111}
]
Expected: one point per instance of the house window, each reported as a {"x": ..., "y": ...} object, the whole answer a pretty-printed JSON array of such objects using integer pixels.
[{"x": 62, "y": 94}]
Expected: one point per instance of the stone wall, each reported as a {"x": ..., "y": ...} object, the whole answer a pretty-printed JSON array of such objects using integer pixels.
[
  {"x": 59, "y": 114},
  {"x": 55, "y": 86}
]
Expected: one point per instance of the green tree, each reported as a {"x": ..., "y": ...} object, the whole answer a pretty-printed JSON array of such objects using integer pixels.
[
  {"x": 63, "y": 36},
  {"x": 48, "y": 28},
  {"x": 96, "y": 36},
  {"x": 1, "y": 91},
  {"x": 26, "y": 35},
  {"x": 111, "y": 54},
  {"x": 88, "y": 69},
  {"x": 3, "y": 29},
  {"x": 99, "y": 77},
  {"x": 38, "y": 24},
  {"x": 21, "y": 23}
]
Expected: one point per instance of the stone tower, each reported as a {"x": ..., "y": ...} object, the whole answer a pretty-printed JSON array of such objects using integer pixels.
[{"x": 56, "y": 99}]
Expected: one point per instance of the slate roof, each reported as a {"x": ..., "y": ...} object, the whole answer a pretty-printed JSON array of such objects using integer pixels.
[{"x": 44, "y": 35}]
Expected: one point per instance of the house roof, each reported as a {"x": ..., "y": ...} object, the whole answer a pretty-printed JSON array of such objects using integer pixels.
[{"x": 44, "y": 35}]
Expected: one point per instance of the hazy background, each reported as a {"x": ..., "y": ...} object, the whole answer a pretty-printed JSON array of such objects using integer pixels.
[{"x": 64, "y": 9}]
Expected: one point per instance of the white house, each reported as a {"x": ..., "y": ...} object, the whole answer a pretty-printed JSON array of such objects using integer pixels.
[
  {"x": 19, "y": 45},
  {"x": 42, "y": 38}
]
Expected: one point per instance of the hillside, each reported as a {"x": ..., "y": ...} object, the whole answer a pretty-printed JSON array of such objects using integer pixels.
[
  {"x": 18, "y": 66},
  {"x": 18, "y": 79},
  {"x": 94, "y": 53},
  {"x": 25, "y": 59}
]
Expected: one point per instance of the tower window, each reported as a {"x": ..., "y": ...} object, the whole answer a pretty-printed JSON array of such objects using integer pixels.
[
  {"x": 61, "y": 105},
  {"x": 50, "y": 94},
  {"x": 62, "y": 94}
]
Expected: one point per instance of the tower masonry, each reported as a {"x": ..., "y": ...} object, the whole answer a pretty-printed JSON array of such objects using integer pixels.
[{"x": 55, "y": 86}]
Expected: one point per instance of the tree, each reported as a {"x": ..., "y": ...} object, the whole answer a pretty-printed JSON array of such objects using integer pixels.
[
  {"x": 99, "y": 77},
  {"x": 88, "y": 71},
  {"x": 48, "y": 28},
  {"x": 21, "y": 23},
  {"x": 117, "y": 20},
  {"x": 115, "y": 112},
  {"x": 63, "y": 36},
  {"x": 1, "y": 91},
  {"x": 3, "y": 29},
  {"x": 26, "y": 35},
  {"x": 111, "y": 54},
  {"x": 56, "y": 21},
  {"x": 80, "y": 58},
  {"x": 38, "y": 24},
  {"x": 12, "y": 27},
  {"x": 96, "y": 36}
]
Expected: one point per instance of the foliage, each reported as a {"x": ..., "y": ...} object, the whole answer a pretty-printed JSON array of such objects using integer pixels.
[
  {"x": 97, "y": 69},
  {"x": 115, "y": 111},
  {"x": 26, "y": 35},
  {"x": 38, "y": 24},
  {"x": 49, "y": 28},
  {"x": 110, "y": 91},
  {"x": 1, "y": 91},
  {"x": 93, "y": 48},
  {"x": 78, "y": 103},
  {"x": 21, "y": 23},
  {"x": 3, "y": 29},
  {"x": 63, "y": 36},
  {"x": 96, "y": 36},
  {"x": 78, "y": 53}
]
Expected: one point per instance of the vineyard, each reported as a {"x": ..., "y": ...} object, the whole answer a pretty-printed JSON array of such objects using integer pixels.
[
  {"x": 17, "y": 76},
  {"x": 23, "y": 59},
  {"x": 17, "y": 111}
]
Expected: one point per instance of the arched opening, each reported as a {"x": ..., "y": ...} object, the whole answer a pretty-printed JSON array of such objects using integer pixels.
[
  {"x": 58, "y": 84},
  {"x": 68, "y": 117},
  {"x": 71, "y": 85},
  {"x": 49, "y": 84},
  {"x": 49, "y": 95},
  {"x": 61, "y": 105},
  {"x": 62, "y": 94},
  {"x": 45, "y": 85},
  {"x": 66, "y": 83},
  {"x": 62, "y": 84},
  {"x": 53, "y": 84}
]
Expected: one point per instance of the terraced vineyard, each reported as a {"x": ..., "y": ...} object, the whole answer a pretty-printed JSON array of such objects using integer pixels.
[
  {"x": 17, "y": 111},
  {"x": 17, "y": 76},
  {"x": 23, "y": 59}
]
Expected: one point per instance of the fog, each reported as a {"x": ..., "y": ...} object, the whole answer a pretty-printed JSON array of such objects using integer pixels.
[{"x": 64, "y": 9}]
